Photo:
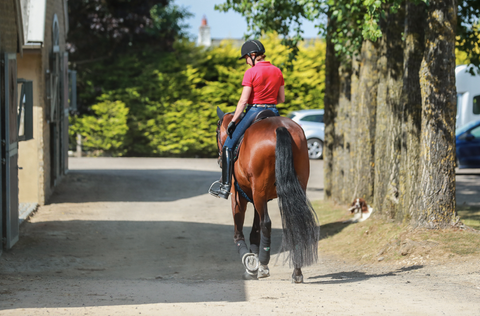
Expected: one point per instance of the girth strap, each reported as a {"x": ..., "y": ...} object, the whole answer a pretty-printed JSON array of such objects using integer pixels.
[{"x": 242, "y": 193}]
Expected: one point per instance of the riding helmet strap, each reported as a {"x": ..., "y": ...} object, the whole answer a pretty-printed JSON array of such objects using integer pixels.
[{"x": 252, "y": 59}]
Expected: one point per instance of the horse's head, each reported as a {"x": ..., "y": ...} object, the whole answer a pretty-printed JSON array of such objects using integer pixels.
[{"x": 223, "y": 120}]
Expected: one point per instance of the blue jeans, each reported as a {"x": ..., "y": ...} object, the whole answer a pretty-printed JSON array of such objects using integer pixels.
[{"x": 244, "y": 124}]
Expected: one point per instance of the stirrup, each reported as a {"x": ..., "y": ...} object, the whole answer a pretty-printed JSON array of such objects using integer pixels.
[{"x": 216, "y": 193}]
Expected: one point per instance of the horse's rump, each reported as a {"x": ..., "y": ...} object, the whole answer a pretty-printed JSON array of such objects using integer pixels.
[{"x": 257, "y": 153}]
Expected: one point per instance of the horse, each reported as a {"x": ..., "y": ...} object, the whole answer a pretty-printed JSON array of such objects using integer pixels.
[{"x": 272, "y": 162}]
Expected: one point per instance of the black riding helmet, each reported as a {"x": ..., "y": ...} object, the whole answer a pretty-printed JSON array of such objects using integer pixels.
[{"x": 252, "y": 46}]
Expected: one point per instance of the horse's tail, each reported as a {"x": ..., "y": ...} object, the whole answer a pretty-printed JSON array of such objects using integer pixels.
[{"x": 299, "y": 221}]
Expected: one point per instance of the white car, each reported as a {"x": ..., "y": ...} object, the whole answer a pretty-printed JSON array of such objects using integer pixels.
[{"x": 314, "y": 128}]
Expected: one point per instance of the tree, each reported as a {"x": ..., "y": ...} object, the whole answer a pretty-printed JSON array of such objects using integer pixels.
[
  {"x": 100, "y": 31},
  {"x": 380, "y": 114}
]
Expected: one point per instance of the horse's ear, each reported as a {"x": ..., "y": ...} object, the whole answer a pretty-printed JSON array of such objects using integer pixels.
[{"x": 220, "y": 113}]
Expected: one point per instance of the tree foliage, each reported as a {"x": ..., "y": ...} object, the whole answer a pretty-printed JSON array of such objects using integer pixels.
[
  {"x": 281, "y": 16},
  {"x": 355, "y": 21},
  {"x": 104, "y": 131},
  {"x": 104, "y": 30},
  {"x": 468, "y": 32}
]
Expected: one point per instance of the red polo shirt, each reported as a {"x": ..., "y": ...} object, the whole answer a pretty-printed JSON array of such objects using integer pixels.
[{"x": 265, "y": 80}]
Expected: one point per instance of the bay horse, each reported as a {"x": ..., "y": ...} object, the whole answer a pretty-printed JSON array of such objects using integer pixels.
[{"x": 273, "y": 162}]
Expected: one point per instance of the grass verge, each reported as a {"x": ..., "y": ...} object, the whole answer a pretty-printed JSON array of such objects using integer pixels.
[{"x": 376, "y": 240}]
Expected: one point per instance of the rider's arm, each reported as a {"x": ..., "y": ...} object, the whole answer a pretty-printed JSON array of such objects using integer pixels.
[
  {"x": 242, "y": 103},
  {"x": 281, "y": 95}
]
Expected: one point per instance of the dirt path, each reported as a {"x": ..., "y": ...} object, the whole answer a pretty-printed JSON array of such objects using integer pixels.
[{"x": 141, "y": 236}]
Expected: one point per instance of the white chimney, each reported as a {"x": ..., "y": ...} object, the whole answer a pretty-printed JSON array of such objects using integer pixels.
[{"x": 204, "y": 38}]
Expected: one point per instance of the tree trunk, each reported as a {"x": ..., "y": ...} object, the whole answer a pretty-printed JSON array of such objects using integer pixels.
[
  {"x": 437, "y": 82},
  {"x": 341, "y": 151},
  {"x": 414, "y": 33},
  {"x": 331, "y": 104},
  {"x": 389, "y": 114},
  {"x": 364, "y": 102}
]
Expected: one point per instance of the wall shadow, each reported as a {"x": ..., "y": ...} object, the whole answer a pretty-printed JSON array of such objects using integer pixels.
[
  {"x": 90, "y": 263},
  {"x": 160, "y": 185}
]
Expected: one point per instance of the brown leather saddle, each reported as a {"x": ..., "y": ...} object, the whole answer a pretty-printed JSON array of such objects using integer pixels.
[{"x": 260, "y": 116}]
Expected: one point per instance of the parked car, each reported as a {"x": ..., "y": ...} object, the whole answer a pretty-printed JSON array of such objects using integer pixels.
[
  {"x": 468, "y": 145},
  {"x": 468, "y": 96},
  {"x": 314, "y": 128}
]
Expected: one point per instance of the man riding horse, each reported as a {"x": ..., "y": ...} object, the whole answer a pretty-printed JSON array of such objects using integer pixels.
[{"x": 263, "y": 87}]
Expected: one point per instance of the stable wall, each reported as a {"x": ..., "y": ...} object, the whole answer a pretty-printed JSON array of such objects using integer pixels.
[
  {"x": 53, "y": 7},
  {"x": 35, "y": 182},
  {"x": 30, "y": 153},
  {"x": 8, "y": 27}
]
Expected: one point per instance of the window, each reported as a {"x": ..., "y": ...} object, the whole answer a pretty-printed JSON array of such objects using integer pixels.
[
  {"x": 291, "y": 115},
  {"x": 459, "y": 102},
  {"x": 476, "y": 132},
  {"x": 317, "y": 118},
  {"x": 476, "y": 104}
]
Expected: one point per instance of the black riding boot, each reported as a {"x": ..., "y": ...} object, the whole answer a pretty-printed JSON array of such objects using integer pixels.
[{"x": 227, "y": 166}]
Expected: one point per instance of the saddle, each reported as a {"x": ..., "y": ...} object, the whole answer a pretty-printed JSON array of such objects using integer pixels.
[{"x": 260, "y": 116}]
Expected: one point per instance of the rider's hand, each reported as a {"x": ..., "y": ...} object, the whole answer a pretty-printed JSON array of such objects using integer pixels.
[{"x": 231, "y": 128}]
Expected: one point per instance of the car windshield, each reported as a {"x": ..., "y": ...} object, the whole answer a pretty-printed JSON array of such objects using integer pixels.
[
  {"x": 465, "y": 128},
  {"x": 317, "y": 118},
  {"x": 291, "y": 115}
]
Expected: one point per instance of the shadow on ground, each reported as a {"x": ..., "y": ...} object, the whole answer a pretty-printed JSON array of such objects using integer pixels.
[
  {"x": 99, "y": 260},
  {"x": 333, "y": 228},
  {"x": 356, "y": 276},
  {"x": 80, "y": 186}
]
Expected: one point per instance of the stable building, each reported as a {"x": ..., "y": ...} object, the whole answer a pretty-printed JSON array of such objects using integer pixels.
[{"x": 36, "y": 96}]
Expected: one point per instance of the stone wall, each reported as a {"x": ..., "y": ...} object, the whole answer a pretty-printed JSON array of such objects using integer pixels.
[{"x": 8, "y": 27}]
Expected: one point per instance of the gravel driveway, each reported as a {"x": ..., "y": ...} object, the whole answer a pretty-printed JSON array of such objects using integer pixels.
[{"x": 128, "y": 236}]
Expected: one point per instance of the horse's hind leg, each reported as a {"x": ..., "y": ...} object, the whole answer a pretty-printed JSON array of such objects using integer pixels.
[
  {"x": 297, "y": 276},
  {"x": 255, "y": 234}
]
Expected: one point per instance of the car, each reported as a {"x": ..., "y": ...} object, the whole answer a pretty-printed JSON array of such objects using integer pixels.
[
  {"x": 314, "y": 128},
  {"x": 467, "y": 140}
]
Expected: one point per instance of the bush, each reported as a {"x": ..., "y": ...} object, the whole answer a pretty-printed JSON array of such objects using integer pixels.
[
  {"x": 104, "y": 131},
  {"x": 171, "y": 98}
]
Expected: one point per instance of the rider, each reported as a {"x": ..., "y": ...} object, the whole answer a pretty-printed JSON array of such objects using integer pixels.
[{"x": 263, "y": 87}]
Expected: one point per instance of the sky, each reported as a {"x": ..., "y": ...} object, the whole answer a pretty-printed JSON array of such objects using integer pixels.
[{"x": 224, "y": 25}]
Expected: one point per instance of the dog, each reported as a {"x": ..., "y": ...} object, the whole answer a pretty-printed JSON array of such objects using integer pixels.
[{"x": 360, "y": 210}]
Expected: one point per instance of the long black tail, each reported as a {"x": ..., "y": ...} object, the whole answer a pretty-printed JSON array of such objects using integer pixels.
[{"x": 299, "y": 221}]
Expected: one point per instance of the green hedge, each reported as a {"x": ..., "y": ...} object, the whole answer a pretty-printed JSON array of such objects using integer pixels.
[{"x": 164, "y": 104}]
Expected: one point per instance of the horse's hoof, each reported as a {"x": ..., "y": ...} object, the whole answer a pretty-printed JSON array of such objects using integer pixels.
[
  {"x": 251, "y": 263},
  {"x": 263, "y": 271},
  {"x": 249, "y": 276},
  {"x": 297, "y": 278}
]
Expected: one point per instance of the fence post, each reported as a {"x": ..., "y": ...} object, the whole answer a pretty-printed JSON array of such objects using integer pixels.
[{"x": 79, "y": 145}]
